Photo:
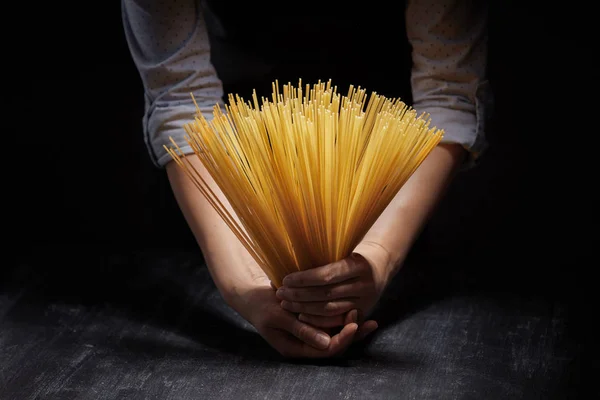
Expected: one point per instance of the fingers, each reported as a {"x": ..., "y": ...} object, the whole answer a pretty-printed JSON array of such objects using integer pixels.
[
  {"x": 365, "y": 330},
  {"x": 340, "y": 342},
  {"x": 330, "y": 322},
  {"x": 336, "y": 272},
  {"x": 290, "y": 346},
  {"x": 319, "y": 308},
  {"x": 321, "y": 293},
  {"x": 324, "y": 322},
  {"x": 351, "y": 316},
  {"x": 308, "y": 334}
]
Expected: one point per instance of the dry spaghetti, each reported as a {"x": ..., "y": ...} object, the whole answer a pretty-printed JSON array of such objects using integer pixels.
[{"x": 307, "y": 172}]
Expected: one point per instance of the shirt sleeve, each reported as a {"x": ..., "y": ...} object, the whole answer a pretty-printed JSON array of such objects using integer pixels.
[
  {"x": 170, "y": 47},
  {"x": 448, "y": 76}
]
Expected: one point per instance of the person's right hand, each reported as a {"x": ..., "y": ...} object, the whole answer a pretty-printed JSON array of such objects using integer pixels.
[{"x": 285, "y": 332}]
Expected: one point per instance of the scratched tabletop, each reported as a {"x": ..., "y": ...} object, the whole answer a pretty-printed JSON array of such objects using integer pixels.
[{"x": 91, "y": 324}]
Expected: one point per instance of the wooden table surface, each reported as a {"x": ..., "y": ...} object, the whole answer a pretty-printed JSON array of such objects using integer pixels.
[{"x": 86, "y": 324}]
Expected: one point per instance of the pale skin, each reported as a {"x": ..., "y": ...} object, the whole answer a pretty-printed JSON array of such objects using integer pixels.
[{"x": 296, "y": 319}]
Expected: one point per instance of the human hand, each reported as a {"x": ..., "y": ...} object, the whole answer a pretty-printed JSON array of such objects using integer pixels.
[
  {"x": 286, "y": 333},
  {"x": 324, "y": 296}
]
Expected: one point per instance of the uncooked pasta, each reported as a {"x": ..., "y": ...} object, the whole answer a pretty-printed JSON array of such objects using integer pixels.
[{"x": 307, "y": 171}]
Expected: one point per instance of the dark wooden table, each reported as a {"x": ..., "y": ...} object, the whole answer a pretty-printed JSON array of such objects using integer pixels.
[{"x": 91, "y": 324}]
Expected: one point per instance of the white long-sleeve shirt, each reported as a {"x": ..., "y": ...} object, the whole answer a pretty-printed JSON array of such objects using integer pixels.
[{"x": 170, "y": 45}]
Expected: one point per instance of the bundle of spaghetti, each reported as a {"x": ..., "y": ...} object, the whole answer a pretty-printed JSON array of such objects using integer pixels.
[{"x": 307, "y": 172}]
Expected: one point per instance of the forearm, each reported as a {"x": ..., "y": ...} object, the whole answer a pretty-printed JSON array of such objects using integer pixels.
[
  {"x": 389, "y": 240},
  {"x": 231, "y": 266},
  {"x": 449, "y": 47}
]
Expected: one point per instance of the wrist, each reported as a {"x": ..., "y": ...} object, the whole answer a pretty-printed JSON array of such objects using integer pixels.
[
  {"x": 235, "y": 273},
  {"x": 238, "y": 296},
  {"x": 384, "y": 262}
]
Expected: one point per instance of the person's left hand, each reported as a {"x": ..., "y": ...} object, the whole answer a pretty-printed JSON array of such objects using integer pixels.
[{"x": 323, "y": 296}]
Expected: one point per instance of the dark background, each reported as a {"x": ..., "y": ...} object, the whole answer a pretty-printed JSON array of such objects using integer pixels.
[
  {"x": 78, "y": 171},
  {"x": 82, "y": 188}
]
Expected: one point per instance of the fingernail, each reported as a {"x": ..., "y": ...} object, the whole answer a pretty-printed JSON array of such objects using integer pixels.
[
  {"x": 323, "y": 340},
  {"x": 279, "y": 292}
]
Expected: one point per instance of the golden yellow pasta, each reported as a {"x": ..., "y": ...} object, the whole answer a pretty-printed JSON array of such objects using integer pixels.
[{"x": 308, "y": 171}]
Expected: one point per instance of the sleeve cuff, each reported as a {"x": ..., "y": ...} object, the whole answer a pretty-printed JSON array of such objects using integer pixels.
[
  {"x": 165, "y": 123},
  {"x": 463, "y": 127}
]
